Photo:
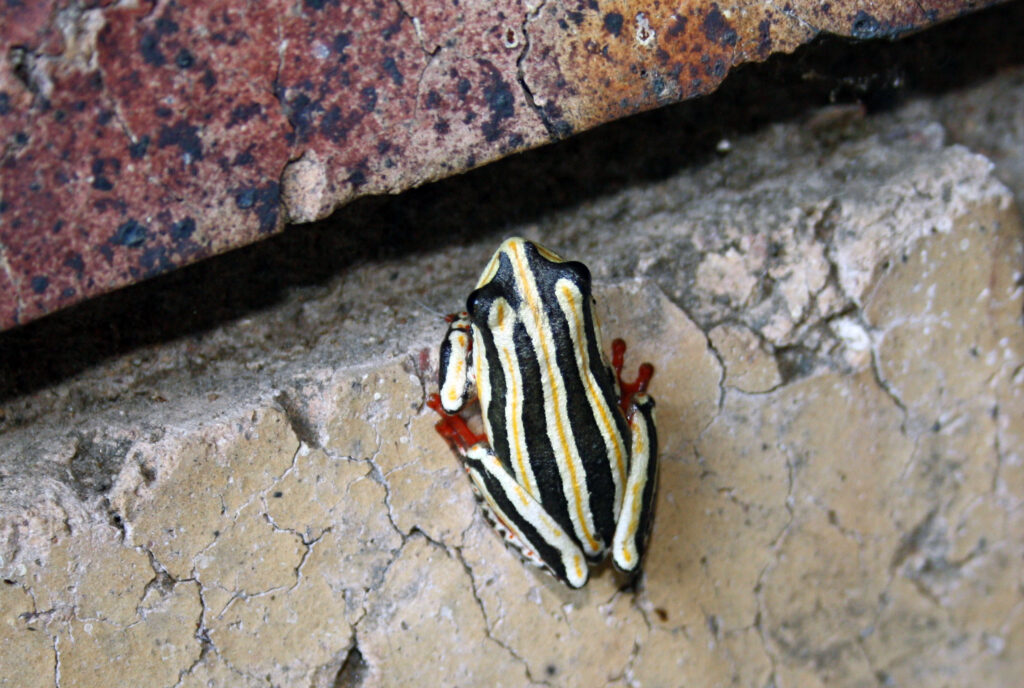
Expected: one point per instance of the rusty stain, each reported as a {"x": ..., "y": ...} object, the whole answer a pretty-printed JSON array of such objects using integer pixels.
[{"x": 139, "y": 139}]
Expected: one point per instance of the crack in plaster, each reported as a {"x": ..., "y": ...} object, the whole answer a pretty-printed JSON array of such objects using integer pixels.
[
  {"x": 774, "y": 546},
  {"x": 456, "y": 554},
  {"x": 202, "y": 634},
  {"x": 377, "y": 475},
  {"x": 876, "y": 369},
  {"x": 56, "y": 660}
]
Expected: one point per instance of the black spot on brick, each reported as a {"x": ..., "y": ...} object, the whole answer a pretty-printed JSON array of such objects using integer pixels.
[
  {"x": 717, "y": 29},
  {"x": 209, "y": 80},
  {"x": 20, "y": 138},
  {"x": 246, "y": 198},
  {"x": 864, "y": 26},
  {"x": 243, "y": 113},
  {"x": 60, "y": 115},
  {"x": 104, "y": 117},
  {"x": 383, "y": 147},
  {"x": 391, "y": 29},
  {"x": 244, "y": 158},
  {"x": 336, "y": 126},
  {"x": 613, "y": 23},
  {"x": 183, "y": 229},
  {"x": 301, "y": 111},
  {"x": 57, "y": 227},
  {"x": 138, "y": 149},
  {"x": 515, "y": 141},
  {"x": 163, "y": 112},
  {"x": 357, "y": 178},
  {"x": 130, "y": 233},
  {"x": 462, "y": 88},
  {"x": 391, "y": 67},
  {"x": 75, "y": 262},
  {"x": 67, "y": 293},
  {"x": 342, "y": 41},
  {"x": 433, "y": 100},
  {"x": 264, "y": 200},
  {"x": 501, "y": 102},
  {"x": 39, "y": 284},
  {"x": 184, "y": 59},
  {"x": 764, "y": 38},
  {"x": 149, "y": 45},
  {"x": 368, "y": 99},
  {"x": 278, "y": 494},
  {"x": 154, "y": 260},
  {"x": 99, "y": 166},
  {"x": 165, "y": 26},
  {"x": 576, "y": 18},
  {"x": 5, "y": 103},
  {"x": 267, "y": 201},
  {"x": 183, "y": 135},
  {"x": 678, "y": 26},
  {"x": 441, "y": 126}
]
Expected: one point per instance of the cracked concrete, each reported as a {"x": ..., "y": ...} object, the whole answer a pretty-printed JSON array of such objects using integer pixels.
[{"x": 835, "y": 324}]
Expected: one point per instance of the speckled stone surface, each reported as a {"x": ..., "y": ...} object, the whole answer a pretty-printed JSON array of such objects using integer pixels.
[
  {"x": 140, "y": 137},
  {"x": 833, "y": 307}
]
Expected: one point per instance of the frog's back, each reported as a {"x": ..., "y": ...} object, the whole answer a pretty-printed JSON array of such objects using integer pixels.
[{"x": 547, "y": 395}]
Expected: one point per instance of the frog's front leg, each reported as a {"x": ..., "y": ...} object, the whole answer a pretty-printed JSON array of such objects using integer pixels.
[
  {"x": 515, "y": 513},
  {"x": 455, "y": 372}
]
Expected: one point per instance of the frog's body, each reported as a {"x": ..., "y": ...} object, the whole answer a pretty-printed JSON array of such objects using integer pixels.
[{"x": 567, "y": 468}]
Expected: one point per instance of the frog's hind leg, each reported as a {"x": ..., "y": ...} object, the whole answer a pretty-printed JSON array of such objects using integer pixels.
[
  {"x": 634, "y": 522},
  {"x": 522, "y": 520},
  {"x": 514, "y": 512}
]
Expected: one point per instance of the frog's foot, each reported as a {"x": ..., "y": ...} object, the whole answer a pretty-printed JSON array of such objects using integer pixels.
[
  {"x": 454, "y": 429},
  {"x": 629, "y": 392}
]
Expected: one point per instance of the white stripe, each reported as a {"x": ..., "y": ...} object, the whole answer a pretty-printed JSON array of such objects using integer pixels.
[{"x": 559, "y": 431}]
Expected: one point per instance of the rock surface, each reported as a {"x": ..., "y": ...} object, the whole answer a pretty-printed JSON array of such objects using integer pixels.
[
  {"x": 835, "y": 320},
  {"x": 142, "y": 136}
]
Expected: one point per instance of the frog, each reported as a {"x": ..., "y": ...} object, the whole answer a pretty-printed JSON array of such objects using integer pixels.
[{"x": 566, "y": 466}]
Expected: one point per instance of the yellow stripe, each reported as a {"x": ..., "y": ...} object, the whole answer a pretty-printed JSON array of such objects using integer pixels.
[{"x": 514, "y": 396}]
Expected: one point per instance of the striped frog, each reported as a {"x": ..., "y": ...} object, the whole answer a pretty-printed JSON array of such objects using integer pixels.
[{"x": 567, "y": 465}]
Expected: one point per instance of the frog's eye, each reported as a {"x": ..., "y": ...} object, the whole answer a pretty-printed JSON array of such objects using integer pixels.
[
  {"x": 480, "y": 302},
  {"x": 578, "y": 273}
]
